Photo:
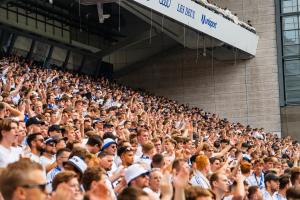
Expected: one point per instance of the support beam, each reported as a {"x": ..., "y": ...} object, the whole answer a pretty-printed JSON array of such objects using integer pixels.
[
  {"x": 48, "y": 56},
  {"x": 29, "y": 54},
  {"x": 82, "y": 64},
  {"x": 12, "y": 43},
  {"x": 66, "y": 59}
]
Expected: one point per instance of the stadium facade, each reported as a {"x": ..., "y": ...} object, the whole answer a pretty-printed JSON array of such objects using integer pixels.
[
  {"x": 245, "y": 91},
  {"x": 257, "y": 88}
]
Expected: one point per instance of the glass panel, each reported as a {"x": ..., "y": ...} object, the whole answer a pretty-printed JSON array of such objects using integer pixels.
[
  {"x": 40, "y": 51},
  {"x": 293, "y": 96},
  {"x": 292, "y": 82},
  {"x": 292, "y": 67},
  {"x": 291, "y": 50},
  {"x": 289, "y": 6},
  {"x": 291, "y": 37},
  {"x": 290, "y": 23}
]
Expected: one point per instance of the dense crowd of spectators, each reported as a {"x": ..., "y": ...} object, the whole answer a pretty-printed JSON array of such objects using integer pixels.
[
  {"x": 66, "y": 136},
  {"x": 226, "y": 13}
]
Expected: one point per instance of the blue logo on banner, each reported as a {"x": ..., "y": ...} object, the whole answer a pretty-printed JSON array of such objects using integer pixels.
[
  {"x": 166, "y": 3},
  {"x": 209, "y": 22}
]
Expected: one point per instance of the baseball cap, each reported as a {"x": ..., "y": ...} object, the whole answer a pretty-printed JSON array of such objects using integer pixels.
[
  {"x": 50, "y": 140},
  {"x": 97, "y": 120},
  {"x": 78, "y": 163},
  {"x": 107, "y": 125},
  {"x": 107, "y": 142},
  {"x": 34, "y": 120},
  {"x": 134, "y": 171}
]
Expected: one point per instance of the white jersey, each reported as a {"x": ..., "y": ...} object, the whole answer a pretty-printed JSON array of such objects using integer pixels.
[{"x": 8, "y": 155}]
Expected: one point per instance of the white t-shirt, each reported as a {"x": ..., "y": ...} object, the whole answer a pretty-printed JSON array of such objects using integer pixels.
[
  {"x": 46, "y": 161},
  {"x": 8, "y": 155}
]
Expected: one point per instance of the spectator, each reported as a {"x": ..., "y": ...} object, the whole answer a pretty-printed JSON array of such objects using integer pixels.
[
  {"x": 203, "y": 168},
  {"x": 71, "y": 181},
  {"x": 36, "y": 143},
  {"x": 48, "y": 157},
  {"x": 8, "y": 135},
  {"x": 23, "y": 180},
  {"x": 284, "y": 185},
  {"x": 62, "y": 155},
  {"x": 272, "y": 186},
  {"x": 136, "y": 176}
]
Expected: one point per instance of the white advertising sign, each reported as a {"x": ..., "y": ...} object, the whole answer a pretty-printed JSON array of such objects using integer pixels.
[{"x": 206, "y": 21}]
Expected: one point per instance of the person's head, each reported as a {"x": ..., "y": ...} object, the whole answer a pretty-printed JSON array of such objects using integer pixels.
[
  {"x": 197, "y": 193},
  {"x": 132, "y": 193},
  {"x": 36, "y": 141},
  {"x": 157, "y": 144},
  {"x": 169, "y": 145},
  {"x": 23, "y": 179},
  {"x": 293, "y": 193},
  {"x": 208, "y": 150},
  {"x": 215, "y": 163},
  {"x": 148, "y": 148},
  {"x": 109, "y": 146},
  {"x": 155, "y": 180},
  {"x": 94, "y": 144},
  {"x": 50, "y": 146},
  {"x": 295, "y": 176},
  {"x": 271, "y": 182},
  {"x": 70, "y": 178},
  {"x": 106, "y": 160},
  {"x": 245, "y": 167},
  {"x": 254, "y": 193},
  {"x": 158, "y": 161},
  {"x": 268, "y": 163},
  {"x": 142, "y": 136},
  {"x": 258, "y": 167},
  {"x": 8, "y": 131},
  {"x": 137, "y": 176},
  {"x": 284, "y": 182},
  {"x": 34, "y": 125},
  {"x": 91, "y": 176},
  {"x": 219, "y": 183},
  {"x": 127, "y": 155},
  {"x": 202, "y": 163},
  {"x": 55, "y": 131},
  {"x": 62, "y": 155},
  {"x": 75, "y": 164},
  {"x": 38, "y": 107}
]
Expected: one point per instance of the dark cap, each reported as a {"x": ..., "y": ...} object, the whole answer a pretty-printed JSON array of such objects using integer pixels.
[
  {"x": 107, "y": 125},
  {"x": 50, "y": 140},
  {"x": 34, "y": 120},
  {"x": 54, "y": 128}
]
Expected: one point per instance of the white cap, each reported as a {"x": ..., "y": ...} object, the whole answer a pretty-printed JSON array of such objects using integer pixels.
[
  {"x": 107, "y": 142},
  {"x": 78, "y": 163},
  {"x": 134, "y": 171}
]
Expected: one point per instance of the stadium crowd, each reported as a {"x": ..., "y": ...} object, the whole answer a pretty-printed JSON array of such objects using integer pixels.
[{"x": 65, "y": 136}]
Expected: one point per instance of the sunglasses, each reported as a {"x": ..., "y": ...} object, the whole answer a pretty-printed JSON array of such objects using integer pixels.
[{"x": 41, "y": 187}]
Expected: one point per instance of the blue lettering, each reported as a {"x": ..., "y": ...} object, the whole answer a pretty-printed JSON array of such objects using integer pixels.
[
  {"x": 180, "y": 8},
  {"x": 166, "y": 3},
  {"x": 209, "y": 22},
  {"x": 186, "y": 11},
  {"x": 189, "y": 12}
]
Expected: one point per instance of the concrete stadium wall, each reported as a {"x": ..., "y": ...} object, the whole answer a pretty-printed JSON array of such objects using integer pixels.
[{"x": 246, "y": 91}]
